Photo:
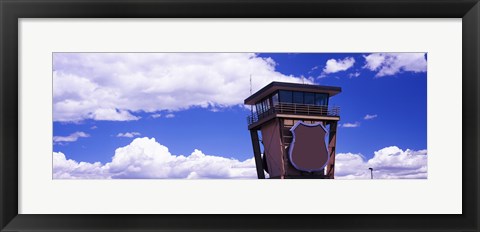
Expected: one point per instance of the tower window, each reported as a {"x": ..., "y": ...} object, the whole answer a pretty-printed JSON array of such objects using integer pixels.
[
  {"x": 321, "y": 99},
  {"x": 285, "y": 96},
  {"x": 275, "y": 99},
  {"x": 298, "y": 97},
  {"x": 309, "y": 98}
]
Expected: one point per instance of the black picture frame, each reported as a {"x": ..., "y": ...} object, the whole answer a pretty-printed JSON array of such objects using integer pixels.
[{"x": 12, "y": 10}]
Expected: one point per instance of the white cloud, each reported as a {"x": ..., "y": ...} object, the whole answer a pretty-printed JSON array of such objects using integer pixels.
[
  {"x": 312, "y": 69},
  {"x": 351, "y": 125},
  {"x": 70, "y": 169},
  {"x": 350, "y": 166},
  {"x": 128, "y": 134},
  {"x": 116, "y": 86},
  {"x": 112, "y": 115},
  {"x": 387, "y": 64},
  {"x": 355, "y": 74},
  {"x": 70, "y": 138},
  {"x": 370, "y": 116},
  {"x": 374, "y": 61},
  {"x": 333, "y": 66},
  {"x": 387, "y": 163},
  {"x": 146, "y": 158},
  {"x": 156, "y": 115},
  {"x": 93, "y": 127},
  {"x": 170, "y": 116}
]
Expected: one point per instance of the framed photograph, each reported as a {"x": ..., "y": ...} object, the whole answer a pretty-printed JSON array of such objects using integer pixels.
[{"x": 239, "y": 115}]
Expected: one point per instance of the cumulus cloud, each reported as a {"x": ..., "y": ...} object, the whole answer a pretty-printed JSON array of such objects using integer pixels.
[
  {"x": 170, "y": 116},
  {"x": 333, "y": 66},
  {"x": 117, "y": 86},
  {"x": 156, "y": 115},
  {"x": 370, "y": 116},
  {"x": 128, "y": 134},
  {"x": 64, "y": 168},
  {"x": 146, "y": 158},
  {"x": 351, "y": 125},
  {"x": 70, "y": 138},
  {"x": 387, "y": 64},
  {"x": 349, "y": 165},
  {"x": 387, "y": 163}
]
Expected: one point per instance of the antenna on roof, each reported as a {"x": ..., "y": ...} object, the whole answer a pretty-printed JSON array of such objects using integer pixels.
[
  {"x": 251, "y": 106},
  {"x": 250, "y": 84}
]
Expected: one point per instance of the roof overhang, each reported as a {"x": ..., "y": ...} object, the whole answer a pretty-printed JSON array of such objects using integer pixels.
[{"x": 274, "y": 86}]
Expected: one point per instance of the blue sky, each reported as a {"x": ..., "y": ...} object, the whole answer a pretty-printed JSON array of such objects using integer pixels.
[{"x": 104, "y": 101}]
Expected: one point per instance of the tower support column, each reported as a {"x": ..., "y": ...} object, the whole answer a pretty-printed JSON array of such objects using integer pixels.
[
  {"x": 257, "y": 154},
  {"x": 332, "y": 140}
]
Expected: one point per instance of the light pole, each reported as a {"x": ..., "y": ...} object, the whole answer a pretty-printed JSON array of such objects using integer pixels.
[{"x": 371, "y": 173}]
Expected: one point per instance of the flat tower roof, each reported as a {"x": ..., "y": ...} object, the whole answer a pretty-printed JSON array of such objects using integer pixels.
[{"x": 274, "y": 86}]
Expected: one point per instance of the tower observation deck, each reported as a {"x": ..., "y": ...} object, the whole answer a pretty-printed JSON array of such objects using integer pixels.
[{"x": 279, "y": 108}]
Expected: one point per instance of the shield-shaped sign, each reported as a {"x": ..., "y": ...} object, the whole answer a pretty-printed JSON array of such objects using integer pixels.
[{"x": 308, "y": 150}]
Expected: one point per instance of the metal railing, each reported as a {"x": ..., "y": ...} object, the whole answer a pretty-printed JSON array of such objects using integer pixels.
[{"x": 299, "y": 109}]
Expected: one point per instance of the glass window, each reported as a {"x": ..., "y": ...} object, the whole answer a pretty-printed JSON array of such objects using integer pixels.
[
  {"x": 259, "y": 108},
  {"x": 263, "y": 106},
  {"x": 267, "y": 104},
  {"x": 298, "y": 97},
  {"x": 321, "y": 99},
  {"x": 285, "y": 96},
  {"x": 275, "y": 99},
  {"x": 309, "y": 98}
]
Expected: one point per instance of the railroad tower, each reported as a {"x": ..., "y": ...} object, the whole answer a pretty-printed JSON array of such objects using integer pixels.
[{"x": 298, "y": 130}]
